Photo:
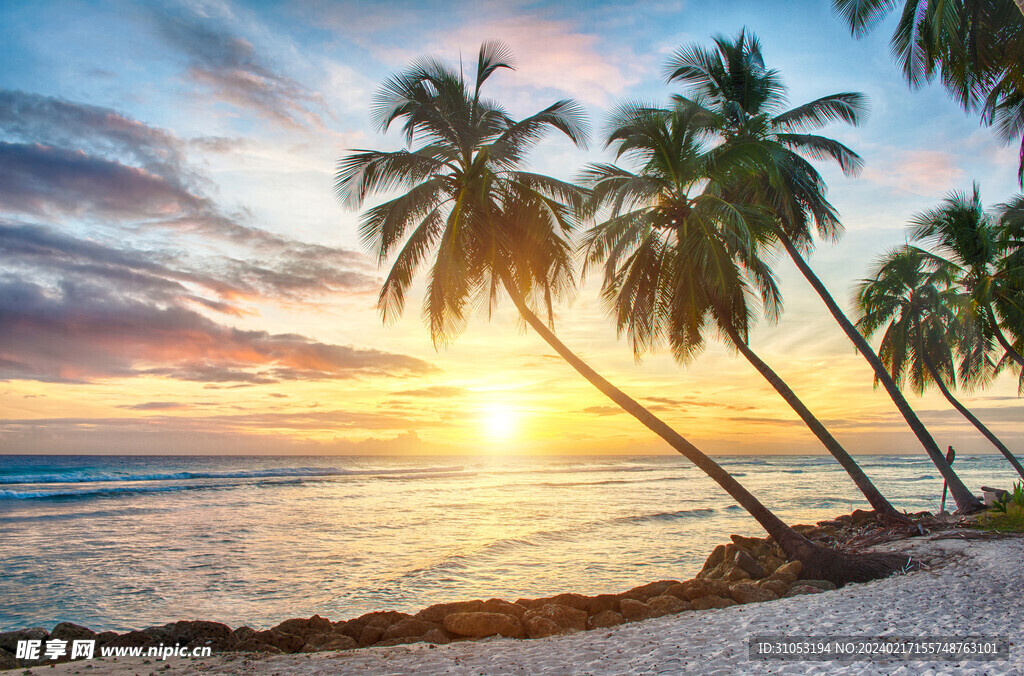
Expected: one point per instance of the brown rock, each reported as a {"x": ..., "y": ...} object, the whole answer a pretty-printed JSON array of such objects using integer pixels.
[
  {"x": 712, "y": 601},
  {"x": 67, "y": 631},
  {"x": 306, "y": 627},
  {"x": 438, "y": 611},
  {"x": 750, "y": 544},
  {"x": 602, "y": 602},
  {"x": 252, "y": 645},
  {"x": 105, "y": 637},
  {"x": 538, "y": 626},
  {"x": 861, "y": 516},
  {"x": 480, "y": 624},
  {"x": 568, "y": 619},
  {"x": 804, "y": 529},
  {"x": 747, "y": 563},
  {"x": 692, "y": 589},
  {"x": 410, "y": 627},
  {"x": 577, "y": 601},
  {"x": 286, "y": 643},
  {"x": 9, "y": 639},
  {"x": 435, "y": 636},
  {"x": 735, "y": 574},
  {"x": 801, "y": 589},
  {"x": 777, "y": 587},
  {"x": 649, "y": 590},
  {"x": 8, "y": 660},
  {"x": 787, "y": 572},
  {"x": 244, "y": 633},
  {"x": 746, "y": 592},
  {"x": 605, "y": 619},
  {"x": 329, "y": 641},
  {"x": 370, "y": 634},
  {"x": 380, "y": 620},
  {"x": 634, "y": 610},
  {"x": 501, "y": 606},
  {"x": 772, "y": 563},
  {"x": 213, "y": 635},
  {"x": 667, "y": 604},
  {"x": 717, "y": 557}
]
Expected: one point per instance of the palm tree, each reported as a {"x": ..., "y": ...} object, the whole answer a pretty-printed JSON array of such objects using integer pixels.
[
  {"x": 679, "y": 258},
  {"x": 491, "y": 227},
  {"x": 747, "y": 100},
  {"x": 913, "y": 295},
  {"x": 975, "y": 47},
  {"x": 978, "y": 245}
]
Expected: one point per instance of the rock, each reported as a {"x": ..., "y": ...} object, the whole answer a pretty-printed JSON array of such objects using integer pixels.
[
  {"x": 577, "y": 601},
  {"x": 844, "y": 520},
  {"x": 712, "y": 601},
  {"x": 772, "y": 563},
  {"x": 435, "y": 636},
  {"x": 828, "y": 530},
  {"x": 861, "y": 516},
  {"x": 801, "y": 589},
  {"x": 717, "y": 557},
  {"x": 244, "y": 633},
  {"x": 649, "y": 590},
  {"x": 149, "y": 636},
  {"x": 8, "y": 661},
  {"x": 568, "y": 619},
  {"x": 667, "y": 604},
  {"x": 787, "y": 572},
  {"x": 480, "y": 624},
  {"x": 777, "y": 587},
  {"x": 9, "y": 639},
  {"x": 747, "y": 563},
  {"x": 735, "y": 574},
  {"x": 747, "y": 592},
  {"x": 715, "y": 573},
  {"x": 692, "y": 589},
  {"x": 370, "y": 634},
  {"x": 67, "y": 631},
  {"x": 252, "y": 645},
  {"x": 804, "y": 529},
  {"x": 306, "y": 627},
  {"x": 602, "y": 602},
  {"x": 438, "y": 611},
  {"x": 634, "y": 610},
  {"x": 605, "y": 619},
  {"x": 750, "y": 544},
  {"x": 538, "y": 626},
  {"x": 823, "y": 585},
  {"x": 197, "y": 633},
  {"x": 286, "y": 643},
  {"x": 329, "y": 641},
  {"x": 105, "y": 637},
  {"x": 380, "y": 620},
  {"x": 501, "y": 606},
  {"x": 410, "y": 627}
]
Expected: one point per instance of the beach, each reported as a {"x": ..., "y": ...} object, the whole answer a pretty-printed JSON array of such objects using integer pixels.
[{"x": 970, "y": 584}]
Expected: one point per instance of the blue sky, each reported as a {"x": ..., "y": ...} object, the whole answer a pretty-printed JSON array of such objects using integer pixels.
[{"x": 183, "y": 277}]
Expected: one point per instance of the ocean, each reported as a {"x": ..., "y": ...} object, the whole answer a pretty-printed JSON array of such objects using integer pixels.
[{"x": 127, "y": 542}]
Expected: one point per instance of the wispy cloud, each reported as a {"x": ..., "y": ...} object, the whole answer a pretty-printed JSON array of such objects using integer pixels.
[{"x": 921, "y": 172}]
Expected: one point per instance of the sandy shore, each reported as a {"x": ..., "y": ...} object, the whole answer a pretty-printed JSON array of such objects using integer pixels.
[{"x": 970, "y": 587}]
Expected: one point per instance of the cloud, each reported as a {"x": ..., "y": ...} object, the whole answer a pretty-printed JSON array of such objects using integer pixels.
[
  {"x": 921, "y": 172},
  {"x": 229, "y": 66},
  {"x": 603, "y": 410},
  {"x": 437, "y": 391},
  {"x": 155, "y": 406},
  {"x": 81, "y": 332}
]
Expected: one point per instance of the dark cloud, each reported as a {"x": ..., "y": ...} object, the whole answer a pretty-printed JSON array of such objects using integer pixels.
[
  {"x": 438, "y": 391},
  {"x": 78, "y": 333},
  {"x": 229, "y": 66},
  {"x": 155, "y": 406}
]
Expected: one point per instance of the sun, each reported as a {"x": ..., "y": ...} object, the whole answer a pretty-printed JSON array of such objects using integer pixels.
[{"x": 499, "y": 421}]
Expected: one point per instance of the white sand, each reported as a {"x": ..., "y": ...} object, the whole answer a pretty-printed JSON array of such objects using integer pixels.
[{"x": 973, "y": 587}]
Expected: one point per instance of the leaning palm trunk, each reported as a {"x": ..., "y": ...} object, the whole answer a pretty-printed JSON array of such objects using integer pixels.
[
  {"x": 818, "y": 562},
  {"x": 965, "y": 500},
  {"x": 970, "y": 416},
  {"x": 871, "y": 493},
  {"x": 1001, "y": 337}
]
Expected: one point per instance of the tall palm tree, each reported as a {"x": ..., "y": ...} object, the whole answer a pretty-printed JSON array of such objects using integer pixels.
[
  {"x": 491, "y": 227},
  {"x": 679, "y": 258},
  {"x": 975, "y": 47},
  {"x": 913, "y": 295},
  {"x": 962, "y": 232},
  {"x": 748, "y": 102}
]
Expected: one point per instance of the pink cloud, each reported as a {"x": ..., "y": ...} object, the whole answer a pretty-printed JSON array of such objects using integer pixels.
[{"x": 921, "y": 172}]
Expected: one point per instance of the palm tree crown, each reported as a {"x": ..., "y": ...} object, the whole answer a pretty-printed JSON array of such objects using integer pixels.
[{"x": 489, "y": 222}]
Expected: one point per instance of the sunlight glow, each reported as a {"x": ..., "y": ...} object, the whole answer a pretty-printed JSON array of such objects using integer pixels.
[{"x": 499, "y": 421}]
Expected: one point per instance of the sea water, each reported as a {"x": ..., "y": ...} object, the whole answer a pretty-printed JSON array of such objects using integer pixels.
[{"x": 127, "y": 542}]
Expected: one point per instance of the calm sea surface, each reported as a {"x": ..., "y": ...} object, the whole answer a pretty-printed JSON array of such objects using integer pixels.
[{"x": 121, "y": 543}]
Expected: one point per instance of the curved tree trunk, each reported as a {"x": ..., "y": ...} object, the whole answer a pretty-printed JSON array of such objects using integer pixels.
[
  {"x": 1020, "y": 6},
  {"x": 1001, "y": 337},
  {"x": 966, "y": 501},
  {"x": 970, "y": 416},
  {"x": 874, "y": 497},
  {"x": 818, "y": 562}
]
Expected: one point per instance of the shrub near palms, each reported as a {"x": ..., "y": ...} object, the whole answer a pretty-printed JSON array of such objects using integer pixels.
[
  {"x": 680, "y": 259},
  {"x": 747, "y": 102},
  {"x": 486, "y": 227},
  {"x": 911, "y": 294}
]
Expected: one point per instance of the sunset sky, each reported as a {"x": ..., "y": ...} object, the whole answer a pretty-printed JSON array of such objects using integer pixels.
[{"x": 178, "y": 277}]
